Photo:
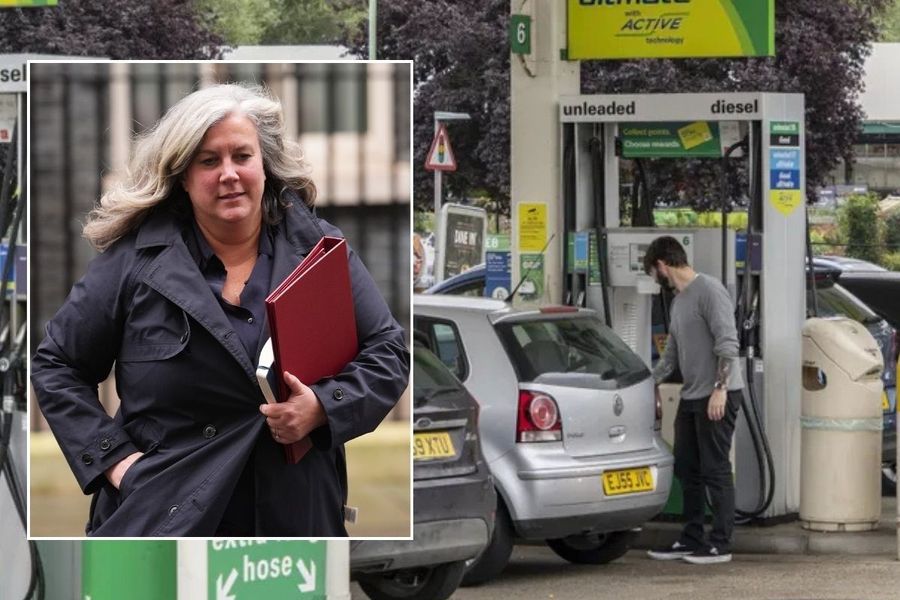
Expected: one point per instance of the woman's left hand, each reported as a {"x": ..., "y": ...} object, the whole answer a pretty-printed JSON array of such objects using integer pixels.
[{"x": 293, "y": 419}]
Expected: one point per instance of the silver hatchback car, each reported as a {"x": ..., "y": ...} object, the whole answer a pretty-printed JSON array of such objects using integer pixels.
[{"x": 569, "y": 425}]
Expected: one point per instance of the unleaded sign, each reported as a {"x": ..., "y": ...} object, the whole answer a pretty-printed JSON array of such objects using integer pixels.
[{"x": 626, "y": 29}]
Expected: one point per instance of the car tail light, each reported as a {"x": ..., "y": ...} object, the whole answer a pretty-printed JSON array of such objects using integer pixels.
[{"x": 538, "y": 418}]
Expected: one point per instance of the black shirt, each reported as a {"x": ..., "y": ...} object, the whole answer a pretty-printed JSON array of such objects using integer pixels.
[{"x": 248, "y": 321}]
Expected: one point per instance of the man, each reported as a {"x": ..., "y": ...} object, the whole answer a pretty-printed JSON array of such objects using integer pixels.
[{"x": 703, "y": 344}]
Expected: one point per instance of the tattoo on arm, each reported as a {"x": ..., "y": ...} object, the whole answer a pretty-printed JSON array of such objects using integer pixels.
[{"x": 723, "y": 370}]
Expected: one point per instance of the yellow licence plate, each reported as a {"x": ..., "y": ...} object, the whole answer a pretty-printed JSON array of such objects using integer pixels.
[
  {"x": 885, "y": 405},
  {"x": 432, "y": 444},
  {"x": 628, "y": 481}
]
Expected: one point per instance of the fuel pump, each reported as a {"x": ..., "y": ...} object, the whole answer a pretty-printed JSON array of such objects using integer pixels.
[
  {"x": 768, "y": 288},
  {"x": 22, "y": 569}
]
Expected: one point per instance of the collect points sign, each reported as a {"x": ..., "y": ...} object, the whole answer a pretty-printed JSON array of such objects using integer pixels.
[
  {"x": 699, "y": 139},
  {"x": 624, "y": 29}
]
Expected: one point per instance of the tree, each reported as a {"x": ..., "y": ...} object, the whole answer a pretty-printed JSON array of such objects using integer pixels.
[
  {"x": 461, "y": 65},
  {"x": 859, "y": 222},
  {"x": 162, "y": 29},
  {"x": 314, "y": 21},
  {"x": 890, "y": 30},
  {"x": 239, "y": 22},
  {"x": 820, "y": 51}
]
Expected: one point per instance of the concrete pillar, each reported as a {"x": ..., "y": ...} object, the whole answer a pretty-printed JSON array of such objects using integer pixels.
[{"x": 535, "y": 154}]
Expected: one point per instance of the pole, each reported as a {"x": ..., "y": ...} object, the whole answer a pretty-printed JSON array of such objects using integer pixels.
[
  {"x": 373, "y": 28},
  {"x": 437, "y": 211}
]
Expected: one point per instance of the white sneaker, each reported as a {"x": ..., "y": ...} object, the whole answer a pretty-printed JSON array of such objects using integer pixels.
[
  {"x": 673, "y": 552},
  {"x": 707, "y": 556}
]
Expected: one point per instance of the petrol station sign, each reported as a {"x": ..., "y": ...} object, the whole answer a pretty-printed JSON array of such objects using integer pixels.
[{"x": 625, "y": 29}]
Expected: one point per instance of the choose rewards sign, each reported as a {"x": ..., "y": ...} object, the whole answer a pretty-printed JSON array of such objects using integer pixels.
[{"x": 670, "y": 28}]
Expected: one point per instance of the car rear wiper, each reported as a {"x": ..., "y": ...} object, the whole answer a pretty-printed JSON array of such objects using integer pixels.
[{"x": 434, "y": 393}]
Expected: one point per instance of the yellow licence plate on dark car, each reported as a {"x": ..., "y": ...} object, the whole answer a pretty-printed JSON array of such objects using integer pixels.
[
  {"x": 433, "y": 444},
  {"x": 628, "y": 481}
]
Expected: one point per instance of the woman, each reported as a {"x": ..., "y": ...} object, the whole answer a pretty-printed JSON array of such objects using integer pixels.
[{"x": 215, "y": 211}]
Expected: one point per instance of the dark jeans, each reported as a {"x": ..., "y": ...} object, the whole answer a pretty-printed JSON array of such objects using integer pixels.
[{"x": 702, "y": 463}]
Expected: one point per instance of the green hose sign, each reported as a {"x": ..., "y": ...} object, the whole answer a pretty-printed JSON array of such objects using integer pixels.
[
  {"x": 247, "y": 569},
  {"x": 670, "y": 28}
]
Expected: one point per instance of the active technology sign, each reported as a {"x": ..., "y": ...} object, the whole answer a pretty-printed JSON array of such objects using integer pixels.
[{"x": 670, "y": 28}]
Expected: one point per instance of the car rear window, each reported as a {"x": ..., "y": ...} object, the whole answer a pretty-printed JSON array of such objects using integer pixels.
[
  {"x": 570, "y": 345},
  {"x": 835, "y": 301},
  {"x": 430, "y": 376}
]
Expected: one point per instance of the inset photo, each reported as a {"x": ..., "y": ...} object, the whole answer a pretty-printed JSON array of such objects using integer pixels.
[{"x": 220, "y": 299}]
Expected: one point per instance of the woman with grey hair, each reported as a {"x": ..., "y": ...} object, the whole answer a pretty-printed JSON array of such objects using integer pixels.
[{"x": 213, "y": 212}]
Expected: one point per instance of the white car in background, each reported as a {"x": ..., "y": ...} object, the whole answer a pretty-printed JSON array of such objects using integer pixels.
[{"x": 569, "y": 425}]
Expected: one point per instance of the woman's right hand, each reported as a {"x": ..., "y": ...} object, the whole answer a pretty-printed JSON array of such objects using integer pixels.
[{"x": 116, "y": 472}]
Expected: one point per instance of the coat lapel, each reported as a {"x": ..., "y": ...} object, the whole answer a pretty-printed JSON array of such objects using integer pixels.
[{"x": 174, "y": 274}]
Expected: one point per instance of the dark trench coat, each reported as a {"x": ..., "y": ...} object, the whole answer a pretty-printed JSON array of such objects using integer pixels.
[{"x": 189, "y": 396}]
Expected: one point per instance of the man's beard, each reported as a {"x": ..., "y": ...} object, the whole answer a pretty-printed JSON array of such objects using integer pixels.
[{"x": 664, "y": 282}]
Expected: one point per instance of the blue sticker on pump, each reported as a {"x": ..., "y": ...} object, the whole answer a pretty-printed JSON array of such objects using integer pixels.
[
  {"x": 784, "y": 159},
  {"x": 784, "y": 179}
]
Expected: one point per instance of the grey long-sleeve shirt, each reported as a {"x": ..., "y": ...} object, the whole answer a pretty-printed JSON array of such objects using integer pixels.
[{"x": 701, "y": 330}]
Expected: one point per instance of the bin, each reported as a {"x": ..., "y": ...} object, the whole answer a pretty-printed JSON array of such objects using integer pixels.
[{"x": 841, "y": 423}]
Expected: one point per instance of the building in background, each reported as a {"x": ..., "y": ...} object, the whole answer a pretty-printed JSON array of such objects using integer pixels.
[{"x": 352, "y": 119}]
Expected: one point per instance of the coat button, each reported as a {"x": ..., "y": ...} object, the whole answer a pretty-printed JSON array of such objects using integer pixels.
[
  {"x": 104, "y": 444},
  {"x": 209, "y": 432},
  {"x": 250, "y": 320},
  {"x": 173, "y": 509},
  {"x": 338, "y": 394},
  {"x": 87, "y": 458}
]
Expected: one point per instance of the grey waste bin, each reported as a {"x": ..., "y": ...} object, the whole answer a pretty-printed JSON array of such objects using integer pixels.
[{"x": 841, "y": 422}]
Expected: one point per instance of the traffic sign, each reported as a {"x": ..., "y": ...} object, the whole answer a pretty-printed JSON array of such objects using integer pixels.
[{"x": 440, "y": 156}]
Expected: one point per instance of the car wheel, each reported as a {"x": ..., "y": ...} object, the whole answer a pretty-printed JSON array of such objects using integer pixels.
[
  {"x": 591, "y": 549},
  {"x": 495, "y": 556},
  {"x": 427, "y": 583},
  {"x": 889, "y": 480}
]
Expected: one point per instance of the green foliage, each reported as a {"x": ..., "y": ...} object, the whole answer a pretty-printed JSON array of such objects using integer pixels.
[
  {"x": 239, "y": 22},
  {"x": 685, "y": 217},
  {"x": 892, "y": 232},
  {"x": 314, "y": 21},
  {"x": 859, "y": 224},
  {"x": 890, "y": 24},
  {"x": 891, "y": 261}
]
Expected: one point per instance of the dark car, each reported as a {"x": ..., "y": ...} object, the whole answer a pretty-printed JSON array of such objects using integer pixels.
[
  {"x": 468, "y": 283},
  {"x": 453, "y": 492}
]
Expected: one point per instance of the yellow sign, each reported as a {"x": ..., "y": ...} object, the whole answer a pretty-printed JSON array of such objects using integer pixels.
[
  {"x": 694, "y": 134},
  {"x": 885, "y": 405},
  {"x": 23, "y": 3},
  {"x": 532, "y": 226},
  {"x": 670, "y": 28},
  {"x": 785, "y": 201}
]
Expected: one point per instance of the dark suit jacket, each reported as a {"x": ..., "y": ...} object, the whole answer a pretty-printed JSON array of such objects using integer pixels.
[{"x": 190, "y": 399}]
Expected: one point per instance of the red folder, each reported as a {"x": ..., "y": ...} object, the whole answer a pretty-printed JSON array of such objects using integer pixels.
[{"x": 312, "y": 322}]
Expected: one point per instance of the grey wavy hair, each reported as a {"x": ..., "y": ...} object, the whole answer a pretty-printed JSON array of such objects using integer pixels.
[{"x": 162, "y": 155}]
